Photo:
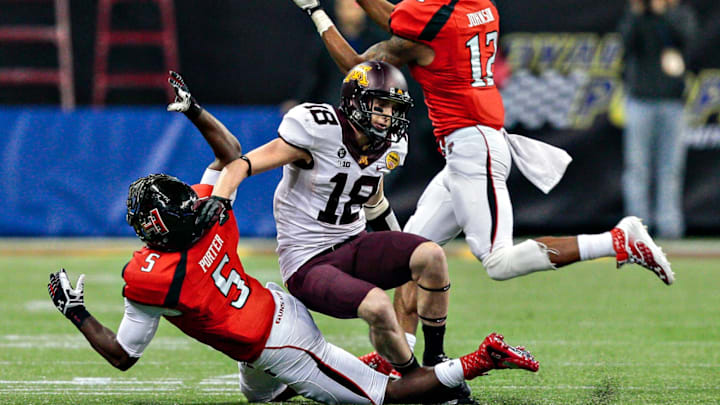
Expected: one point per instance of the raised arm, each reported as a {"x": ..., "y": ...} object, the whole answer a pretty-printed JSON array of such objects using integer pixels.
[
  {"x": 379, "y": 11},
  {"x": 224, "y": 144},
  {"x": 273, "y": 154},
  {"x": 70, "y": 302},
  {"x": 396, "y": 51}
]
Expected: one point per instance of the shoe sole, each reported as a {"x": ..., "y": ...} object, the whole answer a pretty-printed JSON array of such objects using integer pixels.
[{"x": 645, "y": 245}]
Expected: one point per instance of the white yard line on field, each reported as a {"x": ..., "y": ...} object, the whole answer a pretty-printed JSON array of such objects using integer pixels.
[
  {"x": 220, "y": 385},
  {"x": 228, "y": 379},
  {"x": 78, "y": 342},
  {"x": 594, "y": 387},
  {"x": 47, "y": 306},
  {"x": 470, "y": 342},
  {"x": 94, "y": 381},
  {"x": 631, "y": 364}
]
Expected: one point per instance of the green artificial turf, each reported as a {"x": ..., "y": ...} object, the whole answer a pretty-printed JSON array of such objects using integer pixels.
[{"x": 602, "y": 336}]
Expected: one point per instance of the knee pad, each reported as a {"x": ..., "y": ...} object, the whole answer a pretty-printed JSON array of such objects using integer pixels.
[{"x": 518, "y": 260}]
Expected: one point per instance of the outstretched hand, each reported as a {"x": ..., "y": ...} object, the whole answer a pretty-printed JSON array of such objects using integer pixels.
[
  {"x": 184, "y": 101},
  {"x": 68, "y": 300},
  {"x": 183, "y": 98},
  {"x": 63, "y": 295}
]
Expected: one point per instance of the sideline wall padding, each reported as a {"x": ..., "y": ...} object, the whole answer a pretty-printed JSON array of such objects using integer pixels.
[{"x": 67, "y": 174}]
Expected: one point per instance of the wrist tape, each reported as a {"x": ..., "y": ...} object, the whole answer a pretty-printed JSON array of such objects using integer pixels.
[
  {"x": 194, "y": 110},
  {"x": 381, "y": 216},
  {"x": 321, "y": 20}
]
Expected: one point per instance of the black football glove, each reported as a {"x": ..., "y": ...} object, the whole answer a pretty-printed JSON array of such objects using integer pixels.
[
  {"x": 184, "y": 101},
  {"x": 214, "y": 209},
  {"x": 70, "y": 302}
]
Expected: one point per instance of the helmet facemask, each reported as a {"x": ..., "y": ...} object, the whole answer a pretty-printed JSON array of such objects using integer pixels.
[{"x": 398, "y": 123}]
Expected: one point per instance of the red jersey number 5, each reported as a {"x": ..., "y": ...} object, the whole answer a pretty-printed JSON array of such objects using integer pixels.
[{"x": 223, "y": 284}]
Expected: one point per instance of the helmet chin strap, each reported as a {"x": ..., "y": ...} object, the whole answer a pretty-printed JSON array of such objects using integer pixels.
[{"x": 376, "y": 138}]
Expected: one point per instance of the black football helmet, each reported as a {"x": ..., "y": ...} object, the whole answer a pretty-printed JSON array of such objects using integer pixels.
[
  {"x": 370, "y": 80},
  {"x": 162, "y": 211}
]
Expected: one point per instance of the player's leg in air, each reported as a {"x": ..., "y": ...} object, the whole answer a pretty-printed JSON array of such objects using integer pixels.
[
  {"x": 297, "y": 360},
  {"x": 482, "y": 207},
  {"x": 471, "y": 194}
]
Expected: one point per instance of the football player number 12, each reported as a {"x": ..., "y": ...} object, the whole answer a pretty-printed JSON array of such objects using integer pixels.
[{"x": 482, "y": 78}]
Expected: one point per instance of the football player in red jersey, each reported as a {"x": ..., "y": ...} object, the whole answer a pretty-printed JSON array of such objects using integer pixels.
[
  {"x": 450, "y": 47},
  {"x": 192, "y": 276}
]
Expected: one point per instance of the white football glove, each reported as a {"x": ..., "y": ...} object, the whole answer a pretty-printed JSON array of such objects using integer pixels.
[
  {"x": 307, "y": 6},
  {"x": 183, "y": 98},
  {"x": 63, "y": 295}
]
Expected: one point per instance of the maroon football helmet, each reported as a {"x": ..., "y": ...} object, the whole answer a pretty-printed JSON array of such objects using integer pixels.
[{"x": 366, "y": 82}]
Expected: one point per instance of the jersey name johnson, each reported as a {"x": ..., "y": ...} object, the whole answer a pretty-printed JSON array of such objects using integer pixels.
[
  {"x": 320, "y": 205},
  {"x": 459, "y": 86}
]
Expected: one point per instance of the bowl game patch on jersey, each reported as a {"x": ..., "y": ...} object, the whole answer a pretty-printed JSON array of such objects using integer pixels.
[{"x": 392, "y": 160}]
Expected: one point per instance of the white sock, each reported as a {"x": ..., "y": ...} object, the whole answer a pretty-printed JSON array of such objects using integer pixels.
[
  {"x": 411, "y": 339},
  {"x": 594, "y": 246},
  {"x": 450, "y": 373}
]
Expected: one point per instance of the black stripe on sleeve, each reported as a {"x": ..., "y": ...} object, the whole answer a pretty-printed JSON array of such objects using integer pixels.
[
  {"x": 173, "y": 295},
  {"x": 122, "y": 275},
  {"x": 437, "y": 22}
]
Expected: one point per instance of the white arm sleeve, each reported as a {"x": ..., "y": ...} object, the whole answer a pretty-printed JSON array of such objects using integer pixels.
[
  {"x": 402, "y": 150},
  {"x": 138, "y": 326},
  {"x": 296, "y": 127},
  {"x": 211, "y": 177}
]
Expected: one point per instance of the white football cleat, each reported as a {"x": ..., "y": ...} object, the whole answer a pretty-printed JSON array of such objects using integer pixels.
[{"x": 633, "y": 244}]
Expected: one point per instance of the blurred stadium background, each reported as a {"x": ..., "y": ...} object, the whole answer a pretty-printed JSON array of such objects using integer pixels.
[{"x": 66, "y": 171}]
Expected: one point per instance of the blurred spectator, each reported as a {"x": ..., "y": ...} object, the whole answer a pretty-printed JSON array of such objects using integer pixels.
[
  {"x": 657, "y": 35},
  {"x": 321, "y": 83}
]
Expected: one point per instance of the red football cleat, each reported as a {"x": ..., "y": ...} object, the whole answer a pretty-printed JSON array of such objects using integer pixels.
[
  {"x": 376, "y": 362},
  {"x": 633, "y": 244},
  {"x": 494, "y": 353}
]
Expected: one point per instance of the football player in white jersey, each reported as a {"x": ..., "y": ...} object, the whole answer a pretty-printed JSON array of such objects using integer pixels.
[{"x": 334, "y": 160}]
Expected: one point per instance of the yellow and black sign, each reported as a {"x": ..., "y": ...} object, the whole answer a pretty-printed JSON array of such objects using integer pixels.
[{"x": 359, "y": 74}]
